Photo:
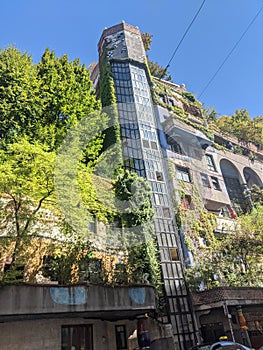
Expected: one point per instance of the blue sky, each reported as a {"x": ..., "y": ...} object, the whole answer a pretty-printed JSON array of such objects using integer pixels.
[{"x": 74, "y": 28}]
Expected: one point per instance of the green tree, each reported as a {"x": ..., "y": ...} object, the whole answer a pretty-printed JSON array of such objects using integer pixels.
[
  {"x": 147, "y": 40},
  {"x": 210, "y": 115},
  {"x": 224, "y": 123},
  {"x": 155, "y": 68},
  {"x": 158, "y": 71},
  {"x": 42, "y": 100},
  {"x": 233, "y": 258},
  {"x": 230, "y": 259},
  {"x": 245, "y": 249},
  {"x": 241, "y": 125},
  {"x": 39, "y": 104},
  {"x": 26, "y": 184},
  {"x": 66, "y": 90},
  {"x": 21, "y": 103},
  {"x": 256, "y": 195}
]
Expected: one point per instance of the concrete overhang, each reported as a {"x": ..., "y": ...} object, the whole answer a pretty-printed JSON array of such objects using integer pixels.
[
  {"x": 24, "y": 302},
  {"x": 217, "y": 297},
  {"x": 178, "y": 129},
  {"x": 215, "y": 200}
]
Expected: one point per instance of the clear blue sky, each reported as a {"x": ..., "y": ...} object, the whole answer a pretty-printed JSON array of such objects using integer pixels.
[{"x": 74, "y": 28}]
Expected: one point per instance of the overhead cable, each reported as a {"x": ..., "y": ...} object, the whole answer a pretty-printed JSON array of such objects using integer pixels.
[
  {"x": 184, "y": 35},
  {"x": 230, "y": 52}
]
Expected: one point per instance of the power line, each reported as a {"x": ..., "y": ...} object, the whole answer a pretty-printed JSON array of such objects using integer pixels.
[
  {"x": 184, "y": 35},
  {"x": 230, "y": 52}
]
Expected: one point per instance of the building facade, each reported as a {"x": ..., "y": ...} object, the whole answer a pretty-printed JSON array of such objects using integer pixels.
[
  {"x": 121, "y": 49},
  {"x": 164, "y": 139},
  {"x": 222, "y": 172},
  {"x": 168, "y": 150}
]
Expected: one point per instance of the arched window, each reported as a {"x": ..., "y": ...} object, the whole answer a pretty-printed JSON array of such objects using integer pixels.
[
  {"x": 233, "y": 182},
  {"x": 252, "y": 178}
]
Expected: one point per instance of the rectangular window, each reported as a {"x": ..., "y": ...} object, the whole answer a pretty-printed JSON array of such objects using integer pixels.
[
  {"x": 121, "y": 340},
  {"x": 183, "y": 174},
  {"x": 130, "y": 130},
  {"x": 210, "y": 162},
  {"x": 146, "y": 143},
  {"x": 174, "y": 254},
  {"x": 187, "y": 202},
  {"x": 154, "y": 145},
  {"x": 215, "y": 183},
  {"x": 77, "y": 337},
  {"x": 166, "y": 213},
  {"x": 150, "y": 175},
  {"x": 159, "y": 176},
  {"x": 205, "y": 180},
  {"x": 133, "y": 164},
  {"x": 171, "y": 102}
]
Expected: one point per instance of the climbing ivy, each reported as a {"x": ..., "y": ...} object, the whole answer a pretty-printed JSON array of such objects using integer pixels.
[
  {"x": 108, "y": 99},
  {"x": 107, "y": 90},
  {"x": 220, "y": 259},
  {"x": 137, "y": 221}
]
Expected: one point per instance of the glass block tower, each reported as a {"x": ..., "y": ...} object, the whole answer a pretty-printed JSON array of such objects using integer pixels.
[{"x": 121, "y": 49}]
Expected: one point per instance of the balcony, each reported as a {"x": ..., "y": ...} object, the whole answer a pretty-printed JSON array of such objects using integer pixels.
[
  {"x": 225, "y": 225},
  {"x": 25, "y": 301}
]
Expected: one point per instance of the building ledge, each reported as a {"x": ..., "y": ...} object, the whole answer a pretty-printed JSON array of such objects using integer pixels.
[
  {"x": 231, "y": 295},
  {"x": 25, "y": 301}
]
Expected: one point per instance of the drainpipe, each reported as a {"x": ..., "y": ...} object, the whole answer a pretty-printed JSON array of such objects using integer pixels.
[{"x": 229, "y": 317}]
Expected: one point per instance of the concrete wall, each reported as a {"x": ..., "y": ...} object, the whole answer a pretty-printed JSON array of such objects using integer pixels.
[
  {"x": 31, "y": 316},
  {"x": 33, "y": 300},
  {"x": 45, "y": 334},
  {"x": 241, "y": 162}
]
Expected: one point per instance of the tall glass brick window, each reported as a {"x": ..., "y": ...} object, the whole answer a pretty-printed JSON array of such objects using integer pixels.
[
  {"x": 142, "y": 154},
  {"x": 122, "y": 81}
]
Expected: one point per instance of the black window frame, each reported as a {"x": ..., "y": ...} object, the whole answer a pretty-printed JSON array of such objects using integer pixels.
[
  {"x": 210, "y": 162},
  {"x": 205, "y": 180},
  {"x": 184, "y": 171},
  {"x": 215, "y": 183},
  {"x": 121, "y": 342},
  {"x": 78, "y": 328}
]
